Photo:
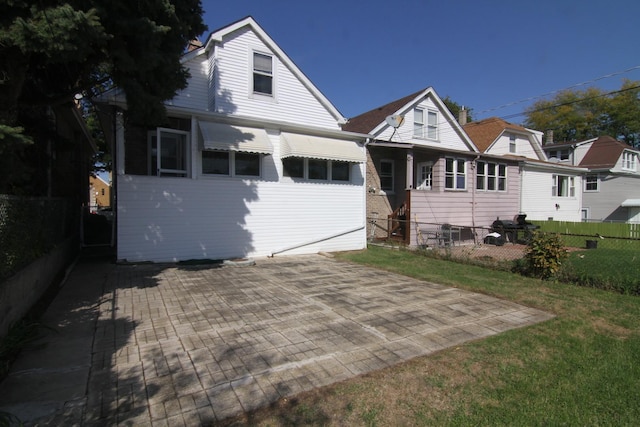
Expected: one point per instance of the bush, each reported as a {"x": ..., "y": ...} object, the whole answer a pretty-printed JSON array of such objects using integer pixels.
[{"x": 543, "y": 257}]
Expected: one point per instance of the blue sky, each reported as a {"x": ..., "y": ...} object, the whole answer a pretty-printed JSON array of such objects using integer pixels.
[{"x": 488, "y": 55}]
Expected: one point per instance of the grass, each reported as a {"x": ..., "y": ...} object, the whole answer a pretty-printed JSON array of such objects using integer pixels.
[{"x": 580, "y": 368}]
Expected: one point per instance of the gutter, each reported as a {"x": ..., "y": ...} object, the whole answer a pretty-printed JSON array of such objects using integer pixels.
[{"x": 311, "y": 242}]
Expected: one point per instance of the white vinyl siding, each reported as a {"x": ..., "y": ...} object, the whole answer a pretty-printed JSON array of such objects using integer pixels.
[
  {"x": 175, "y": 219},
  {"x": 293, "y": 101}
]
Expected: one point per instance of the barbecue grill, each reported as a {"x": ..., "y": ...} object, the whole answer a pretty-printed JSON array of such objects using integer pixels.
[{"x": 516, "y": 231}]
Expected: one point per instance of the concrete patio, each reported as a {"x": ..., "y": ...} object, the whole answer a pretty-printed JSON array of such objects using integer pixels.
[{"x": 190, "y": 345}]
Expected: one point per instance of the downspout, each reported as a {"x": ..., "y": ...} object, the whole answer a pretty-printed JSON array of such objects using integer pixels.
[{"x": 473, "y": 200}]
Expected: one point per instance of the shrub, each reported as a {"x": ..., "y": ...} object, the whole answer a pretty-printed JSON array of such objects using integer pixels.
[{"x": 543, "y": 257}]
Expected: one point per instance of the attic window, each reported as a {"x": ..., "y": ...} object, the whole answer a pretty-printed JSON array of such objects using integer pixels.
[
  {"x": 262, "y": 74},
  {"x": 512, "y": 143}
]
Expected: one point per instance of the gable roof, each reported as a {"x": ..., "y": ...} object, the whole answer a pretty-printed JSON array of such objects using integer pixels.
[
  {"x": 604, "y": 153},
  {"x": 484, "y": 133},
  {"x": 373, "y": 122},
  {"x": 366, "y": 122},
  {"x": 218, "y": 35}
]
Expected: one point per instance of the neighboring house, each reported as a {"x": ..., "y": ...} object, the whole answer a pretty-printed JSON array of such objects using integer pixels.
[
  {"x": 548, "y": 190},
  {"x": 611, "y": 190},
  {"x": 422, "y": 167},
  {"x": 99, "y": 193},
  {"x": 252, "y": 161}
]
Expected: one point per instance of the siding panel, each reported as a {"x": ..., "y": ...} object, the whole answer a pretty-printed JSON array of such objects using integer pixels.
[{"x": 169, "y": 219}]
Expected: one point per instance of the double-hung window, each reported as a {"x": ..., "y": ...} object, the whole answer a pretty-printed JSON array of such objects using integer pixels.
[
  {"x": 512, "y": 143},
  {"x": 455, "y": 174},
  {"x": 591, "y": 183},
  {"x": 168, "y": 152},
  {"x": 386, "y": 175},
  {"x": 491, "y": 176},
  {"x": 262, "y": 74},
  {"x": 563, "y": 186},
  {"x": 629, "y": 160},
  {"x": 425, "y": 124}
]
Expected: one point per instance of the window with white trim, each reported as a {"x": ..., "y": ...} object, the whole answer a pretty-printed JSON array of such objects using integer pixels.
[
  {"x": 455, "y": 177},
  {"x": 512, "y": 143},
  {"x": 561, "y": 155},
  {"x": 231, "y": 163},
  {"x": 629, "y": 160},
  {"x": 563, "y": 186},
  {"x": 316, "y": 169},
  {"x": 425, "y": 124},
  {"x": 262, "y": 74},
  {"x": 386, "y": 175},
  {"x": 591, "y": 182},
  {"x": 491, "y": 176},
  {"x": 168, "y": 152},
  {"x": 424, "y": 175}
]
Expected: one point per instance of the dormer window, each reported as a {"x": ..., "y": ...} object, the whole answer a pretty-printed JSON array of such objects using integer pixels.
[
  {"x": 629, "y": 161},
  {"x": 262, "y": 74}
]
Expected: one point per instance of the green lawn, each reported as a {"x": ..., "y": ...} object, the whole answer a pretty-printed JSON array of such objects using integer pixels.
[{"x": 580, "y": 368}]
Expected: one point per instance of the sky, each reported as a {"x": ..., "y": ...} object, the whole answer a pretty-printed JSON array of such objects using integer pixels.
[{"x": 494, "y": 56}]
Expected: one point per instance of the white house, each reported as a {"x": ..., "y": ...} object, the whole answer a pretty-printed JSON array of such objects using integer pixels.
[
  {"x": 548, "y": 190},
  {"x": 611, "y": 189},
  {"x": 252, "y": 161}
]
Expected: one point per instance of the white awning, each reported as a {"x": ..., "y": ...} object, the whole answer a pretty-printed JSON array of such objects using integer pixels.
[
  {"x": 315, "y": 147},
  {"x": 631, "y": 203},
  {"x": 224, "y": 137}
]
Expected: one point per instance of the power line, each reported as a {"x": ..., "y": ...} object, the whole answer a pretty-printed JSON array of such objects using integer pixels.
[{"x": 532, "y": 98}]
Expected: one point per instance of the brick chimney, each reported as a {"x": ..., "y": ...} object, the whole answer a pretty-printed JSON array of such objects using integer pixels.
[
  {"x": 462, "y": 116},
  {"x": 548, "y": 139}
]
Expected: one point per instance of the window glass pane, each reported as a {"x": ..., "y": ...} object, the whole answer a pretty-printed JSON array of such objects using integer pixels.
[
  {"x": 172, "y": 151},
  {"x": 293, "y": 167},
  {"x": 418, "y": 122},
  {"x": 340, "y": 171},
  {"x": 247, "y": 164},
  {"x": 317, "y": 169},
  {"x": 386, "y": 175},
  {"x": 432, "y": 130},
  {"x": 215, "y": 162},
  {"x": 262, "y": 84},
  {"x": 262, "y": 63}
]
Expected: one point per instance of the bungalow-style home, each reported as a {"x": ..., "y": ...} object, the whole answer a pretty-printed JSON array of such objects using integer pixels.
[
  {"x": 252, "y": 161},
  {"x": 611, "y": 190},
  {"x": 424, "y": 169},
  {"x": 548, "y": 190}
]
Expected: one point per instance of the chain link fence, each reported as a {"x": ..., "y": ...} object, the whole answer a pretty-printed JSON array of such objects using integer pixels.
[
  {"x": 602, "y": 255},
  {"x": 30, "y": 227}
]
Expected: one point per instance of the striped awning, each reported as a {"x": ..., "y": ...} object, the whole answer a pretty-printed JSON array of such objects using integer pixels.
[
  {"x": 315, "y": 147},
  {"x": 224, "y": 137}
]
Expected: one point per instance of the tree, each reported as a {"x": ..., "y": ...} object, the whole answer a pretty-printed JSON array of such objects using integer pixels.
[
  {"x": 582, "y": 114},
  {"x": 51, "y": 50}
]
